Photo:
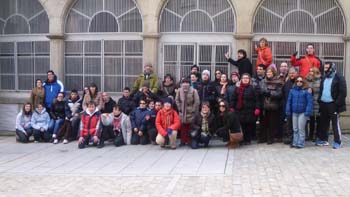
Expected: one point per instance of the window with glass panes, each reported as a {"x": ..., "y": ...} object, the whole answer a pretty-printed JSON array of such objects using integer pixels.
[
  {"x": 103, "y": 45},
  {"x": 289, "y": 25},
  {"x": 196, "y": 32},
  {"x": 24, "y": 48}
]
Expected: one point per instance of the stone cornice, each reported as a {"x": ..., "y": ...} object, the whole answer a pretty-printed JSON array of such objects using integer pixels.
[
  {"x": 346, "y": 38},
  {"x": 151, "y": 35},
  {"x": 243, "y": 36}
]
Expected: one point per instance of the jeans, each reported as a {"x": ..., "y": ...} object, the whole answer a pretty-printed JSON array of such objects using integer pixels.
[
  {"x": 21, "y": 137},
  {"x": 299, "y": 122},
  {"x": 55, "y": 125}
]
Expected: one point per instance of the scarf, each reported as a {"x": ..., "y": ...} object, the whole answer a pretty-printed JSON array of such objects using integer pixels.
[
  {"x": 117, "y": 120},
  {"x": 223, "y": 87},
  {"x": 183, "y": 96},
  {"x": 205, "y": 123},
  {"x": 241, "y": 90}
]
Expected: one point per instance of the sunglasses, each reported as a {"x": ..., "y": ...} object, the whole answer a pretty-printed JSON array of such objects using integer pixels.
[
  {"x": 222, "y": 105},
  {"x": 299, "y": 81},
  {"x": 142, "y": 103}
]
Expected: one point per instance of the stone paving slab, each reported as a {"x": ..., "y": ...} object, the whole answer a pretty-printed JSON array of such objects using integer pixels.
[{"x": 44, "y": 169}]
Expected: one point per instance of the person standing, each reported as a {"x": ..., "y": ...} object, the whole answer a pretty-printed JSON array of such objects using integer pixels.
[
  {"x": 264, "y": 53},
  {"x": 126, "y": 102},
  {"x": 314, "y": 82},
  {"x": 243, "y": 63},
  {"x": 305, "y": 63},
  {"x": 52, "y": 87},
  {"x": 332, "y": 102},
  {"x": 37, "y": 95},
  {"x": 187, "y": 101},
  {"x": 299, "y": 106}
]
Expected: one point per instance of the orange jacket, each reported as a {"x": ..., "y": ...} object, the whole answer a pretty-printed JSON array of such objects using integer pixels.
[
  {"x": 305, "y": 63},
  {"x": 167, "y": 119},
  {"x": 264, "y": 56}
]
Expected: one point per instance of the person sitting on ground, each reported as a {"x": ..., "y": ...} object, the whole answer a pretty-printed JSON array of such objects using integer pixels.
[
  {"x": 167, "y": 124},
  {"x": 202, "y": 128},
  {"x": 89, "y": 126},
  {"x": 23, "y": 124},
  {"x": 40, "y": 123},
  {"x": 121, "y": 127},
  {"x": 73, "y": 109}
]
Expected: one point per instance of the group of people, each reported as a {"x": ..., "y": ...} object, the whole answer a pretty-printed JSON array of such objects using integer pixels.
[{"x": 274, "y": 105}]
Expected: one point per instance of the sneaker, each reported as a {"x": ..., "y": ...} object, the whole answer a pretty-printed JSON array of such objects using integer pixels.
[
  {"x": 101, "y": 144},
  {"x": 65, "y": 141},
  {"x": 319, "y": 142},
  {"x": 54, "y": 136},
  {"x": 55, "y": 141},
  {"x": 336, "y": 145},
  {"x": 36, "y": 141},
  {"x": 325, "y": 143}
]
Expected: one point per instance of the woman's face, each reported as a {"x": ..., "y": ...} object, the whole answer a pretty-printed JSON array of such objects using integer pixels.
[
  {"x": 60, "y": 97},
  {"x": 93, "y": 89},
  {"x": 39, "y": 84},
  {"x": 40, "y": 108},
  {"x": 193, "y": 78},
  {"x": 223, "y": 78},
  {"x": 262, "y": 43},
  {"x": 245, "y": 79},
  {"x": 222, "y": 106},
  {"x": 27, "y": 108},
  {"x": 300, "y": 81},
  {"x": 269, "y": 74},
  {"x": 167, "y": 79},
  {"x": 311, "y": 73},
  {"x": 151, "y": 105},
  {"x": 167, "y": 106}
]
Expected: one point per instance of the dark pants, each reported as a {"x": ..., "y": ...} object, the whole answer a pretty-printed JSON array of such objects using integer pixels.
[
  {"x": 42, "y": 136},
  {"x": 224, "y": 133},
  {"x": 288, "y": 131},
  {"x": 152, "y": 132},
  {"x": 65, "y": 131},
  {"x": 75, "y": 128},
  {"x": 21, "y": 137},
  {"x": 328, "y": 113},
  {"x": 107, "y": 133},
  {"x": 314, "y": 120},
  {"x": 86, "y": 142},
  {"x": 185, "y": 129},
  {"x": 271, "y": 124},
  {"x": 247, "y": 129},
  {"x": 136, "y": 139},
  {"x": 202, "y": 139}
]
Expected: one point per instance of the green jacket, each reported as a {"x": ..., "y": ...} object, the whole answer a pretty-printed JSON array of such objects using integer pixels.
[{"x": 153, "y": 83}]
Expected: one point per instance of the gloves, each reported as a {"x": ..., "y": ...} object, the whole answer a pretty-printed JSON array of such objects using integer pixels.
[
  {"x": 232, "y": 110},
  {"x": 257, "y": 112},
  {"x": 295, "y": 53},
  {"x": 169, "y": 131}
]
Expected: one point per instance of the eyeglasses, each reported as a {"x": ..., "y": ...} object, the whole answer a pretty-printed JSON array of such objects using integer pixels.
[
  {"x": 142, "y": 103},
  {"x": 222, "y": 105},
  {"x": 298, "y": 81}
]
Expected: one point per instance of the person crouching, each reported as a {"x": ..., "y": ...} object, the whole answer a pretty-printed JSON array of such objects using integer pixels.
[{"x": 89, "y": 126}]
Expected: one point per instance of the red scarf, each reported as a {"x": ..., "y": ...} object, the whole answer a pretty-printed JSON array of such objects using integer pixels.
[{"x": 241, "y": 89}]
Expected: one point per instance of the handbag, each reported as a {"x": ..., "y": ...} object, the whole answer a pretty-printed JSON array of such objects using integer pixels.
[{"x": 119, "y": 140}]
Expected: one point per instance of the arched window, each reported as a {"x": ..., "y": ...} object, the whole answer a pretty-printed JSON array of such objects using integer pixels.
[
  {"x": 24, "y": 48},
  {"x": 196, "y": 32},
  {"x": 103, "y": 45},
  {"x": 290, "y": 24}
]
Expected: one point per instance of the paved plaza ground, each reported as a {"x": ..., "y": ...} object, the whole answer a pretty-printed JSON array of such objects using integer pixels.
[{"x": 45, "y": 169}]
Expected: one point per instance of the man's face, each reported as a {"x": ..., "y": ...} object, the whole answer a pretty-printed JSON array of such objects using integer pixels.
[
  {"x": 105, "y": 97},
  {"x": 142, "y": 104},
  {"x": 260, "y": 71},
  {"x": 205, "y": 108},
  {"x": 60, "y": 97},
  {"x": 50, "y": 76},
  {"x": 284, "y": 68},
  {"x": 310, "y": 50},
  {"x": 151, "y": 105},
  {"x": 292, "y": 74},
  {"x": 126, "y": 93},
  {"x": 167, "y": 106},
  {"x": 193, "y": 78},
  {"x": 158, "y": 106},
  {"x": 234, "y": 78},
  {"x": 91, "y": 108},
  {"x": 240, "y": 55},
  {"x": 205, "y": 77},
  {"x": 194, "y": 70},
  {"x": 73, "y": 95},
  {"x": 148, "y": 68},
  {"x": 326, "y": 67}
]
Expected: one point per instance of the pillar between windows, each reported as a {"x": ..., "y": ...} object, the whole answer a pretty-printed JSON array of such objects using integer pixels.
[
  {"x": 150, "y": 49},
  {"x": 57, "y": 54},
  {"x": 243, "y": 41}
]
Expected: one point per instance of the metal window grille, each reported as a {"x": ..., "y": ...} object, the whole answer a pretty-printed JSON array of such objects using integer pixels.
[
  {"x": 178, "y": 58},
  {"x": 23, "y": 59},
  {"x": 197, "y": 16}
]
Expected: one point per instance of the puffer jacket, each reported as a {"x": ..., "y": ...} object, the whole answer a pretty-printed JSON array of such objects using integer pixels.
[
  {"x": 73, "y": 107},
  {"x": 272, "y": 91},
  {"x": 137, "y": 117},
  {"x": 305, "y": 63},
  {"x": 314, "y": 84},
  {"x": 90, "y": 123},
  {"x": 58, "y": 110},
  {"x": 51, "y": 91},
  {"x": 264, "y": 56},
  {"x": 167, "y": 120},
  {"x": 40, "y": 120},
  {"x": 299, "y": 101}
]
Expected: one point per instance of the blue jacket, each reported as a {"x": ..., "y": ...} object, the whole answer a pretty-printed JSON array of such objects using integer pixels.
[
  {"x": 40, "y": 120},
  {"x": 299, "y": 101},
  {"x": 51, "y": 91},
  {"x": 137, "y": 117}
]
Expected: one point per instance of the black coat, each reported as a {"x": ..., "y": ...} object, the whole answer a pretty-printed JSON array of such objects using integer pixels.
[
  {"x": 58, "y": 110},
  {"x": 207, "y": 92},
  {"x": 127, "y": 105},
  {"x": 272, "y": 91},
  {"x": 250, "y": 103},
  {"x": 338, "y": 92},
  {"x": 244, "y": 66},
  {"x": 197, "y": 122},
  {"x": 108, "y": 107}
]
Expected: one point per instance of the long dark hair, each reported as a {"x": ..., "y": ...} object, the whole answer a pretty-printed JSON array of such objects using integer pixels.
[
  {"x": 96, "y": 91},
  {"x": 24, "y": 112}
]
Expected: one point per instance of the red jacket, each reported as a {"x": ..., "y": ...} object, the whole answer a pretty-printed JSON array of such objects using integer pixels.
[
  {"x": 90, "y": 123},
  {"x": 167, "y": 119},
  {"x": 305, "y": 63},
  {"x": 264, "y": 56}
]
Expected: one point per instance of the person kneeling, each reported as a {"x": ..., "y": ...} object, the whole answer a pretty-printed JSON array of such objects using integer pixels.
[
  {"x": 120, "y": 126},
  {"x": 89, "y": 126},
  {"x": 167, "y": 124},
  {"x": 202, "y": 127}
]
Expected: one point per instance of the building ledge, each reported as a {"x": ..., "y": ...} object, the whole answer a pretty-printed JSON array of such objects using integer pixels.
[
  {"x": 151, "y": 35},
  {"x": 55, "y": 36},
  {"x": 242, "y": 36}
]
